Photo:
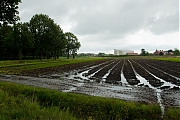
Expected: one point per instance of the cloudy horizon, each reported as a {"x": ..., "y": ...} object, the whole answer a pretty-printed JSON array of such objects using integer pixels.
[{"x": 105, "y": 25}]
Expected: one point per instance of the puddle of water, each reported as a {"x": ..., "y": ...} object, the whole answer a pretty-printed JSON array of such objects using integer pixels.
[
  {"x": 115, "y": 92},
  {"x": 70, "y": 89},
  {"x": 73, "y": 88},
  {"x": 145, "y": 82},
  {"x": 109, "y": 71},
  {"x": 122, "y": 88},
  {"x": 123, "y": 79}
]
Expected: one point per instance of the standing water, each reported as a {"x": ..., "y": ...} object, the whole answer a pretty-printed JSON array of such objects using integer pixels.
[{"x": 145, "y": 82}]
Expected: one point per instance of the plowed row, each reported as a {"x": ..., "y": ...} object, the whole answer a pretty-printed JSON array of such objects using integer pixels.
[{"x": 156, "y": 73}]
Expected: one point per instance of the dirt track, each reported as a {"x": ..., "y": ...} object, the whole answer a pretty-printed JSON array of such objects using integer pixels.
[{"x": 147, "y": 81}]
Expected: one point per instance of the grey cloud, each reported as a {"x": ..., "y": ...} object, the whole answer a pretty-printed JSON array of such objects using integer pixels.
[
  {"x": 55, "y": 9},
  {"x": 129, "y": 17},
  {"x": 106, "y": 24},
  {"x": 164, "y": 25},
  {"x": 98, "y": 17}
]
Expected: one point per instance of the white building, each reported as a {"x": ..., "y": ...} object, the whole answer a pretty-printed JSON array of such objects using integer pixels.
[{"x": 122, "y": 52}]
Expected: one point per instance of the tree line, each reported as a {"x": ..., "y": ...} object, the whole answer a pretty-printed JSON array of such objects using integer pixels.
[{"x": 39, "y": 38}]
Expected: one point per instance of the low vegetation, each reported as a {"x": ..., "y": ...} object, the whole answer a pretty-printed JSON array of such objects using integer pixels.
[
  {"x": 21, "y": 102},
  {"x": 171, "y": 59},
  {"x": 16, "y": 66},
  {"x": 172, "y": 114},
  {"x": 25, "y": 108}
]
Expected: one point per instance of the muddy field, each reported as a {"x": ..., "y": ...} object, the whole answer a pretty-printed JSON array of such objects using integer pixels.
[{"x": 142, "y": 80}]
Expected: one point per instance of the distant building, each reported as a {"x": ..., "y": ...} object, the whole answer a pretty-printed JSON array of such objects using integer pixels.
[
  {"x": 122, "y": 52},
  {"x": 132, "y": 54},
  {"x": 159, "y": 52}
]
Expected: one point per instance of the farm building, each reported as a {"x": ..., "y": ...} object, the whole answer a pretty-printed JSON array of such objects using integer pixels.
[
  {"x": 122, "y": 52},
  {"x": 132, "y": 53},
  {"x": 159, "y": 52}
]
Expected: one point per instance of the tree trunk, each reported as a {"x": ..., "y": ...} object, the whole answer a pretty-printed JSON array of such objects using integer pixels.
[
  {"x": 20, "y": 54},
  {"x": 55, "y": 53},
  {"x": 68, "y": 54},
  {"x": 73, "y": 55},
  {"x": 40, "y": 56}
]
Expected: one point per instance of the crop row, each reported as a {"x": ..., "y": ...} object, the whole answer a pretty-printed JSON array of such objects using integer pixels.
[{"x": 135, "y": 71}]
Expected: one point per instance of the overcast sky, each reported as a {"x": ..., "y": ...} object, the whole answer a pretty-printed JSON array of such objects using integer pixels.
[{"x": 105, "y": 25}]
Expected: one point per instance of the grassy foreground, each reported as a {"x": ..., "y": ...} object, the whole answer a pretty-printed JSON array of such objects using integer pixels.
[
  {"x": 172, "y": 114},
  {"x": 25, "y": 108},
  {"x": 22, "y": 102}
]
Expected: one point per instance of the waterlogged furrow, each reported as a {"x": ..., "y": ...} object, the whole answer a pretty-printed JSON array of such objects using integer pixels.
[
  {"x": 114, "y": 75},
  {"x": 91, "y": 66},
  {"x": 177, "y": 78},
  {"x": 129, "y": 74},
  {"x": 143, "y": 80},
  {"x": 142, "y": 72},
  {"x": 96, "y": 68},
  {"x": 123, "y": 79},
  {"x": 101, "y": 73},
  {"x": 165, "y": 85},
  {"x": 167, "y": 67},
  {"x": 160, "y": 74}
]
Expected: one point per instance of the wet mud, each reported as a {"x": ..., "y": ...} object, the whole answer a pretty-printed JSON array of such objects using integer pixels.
[{"x": 142, "y": 80}]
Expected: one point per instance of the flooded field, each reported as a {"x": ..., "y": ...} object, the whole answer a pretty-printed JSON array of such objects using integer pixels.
[{"x": 146, "y": 81}]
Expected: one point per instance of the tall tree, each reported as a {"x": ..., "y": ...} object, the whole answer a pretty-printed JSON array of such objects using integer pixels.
[
  {"x": 55, "y": 41},
  {"x": 5, "y": 29},
  {"x": 41, "y": 25},
  {"x": 144, "y": 52},
  {"x": 27, "y": 39},
  {"x": 20, "y": 40},
  {"x": 72, "y": 44},
  {"x": 9, "y": 11},
  {"x": 58, "y": 41}
]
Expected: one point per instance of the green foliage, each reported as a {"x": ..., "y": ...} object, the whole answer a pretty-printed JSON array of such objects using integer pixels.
[
  {"x": 9, "y": 11},
  {"x": 21, "y": 107},
  {"x": 101, "y": 54},
  {"x": 72, "y": 44},
  {"x": 144, "y": 53},
  {"x": 47, "y": 34},
  {"x": 19, "y": 40},
  {"x": 40, "y": 37},
  {"x": 172, "y": 114},
  {"x": 83, "y": 106},
  {"x": 176, "y": 52}
]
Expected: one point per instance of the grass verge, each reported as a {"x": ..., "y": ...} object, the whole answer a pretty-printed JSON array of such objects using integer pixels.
[
  {"x": 26, "y": 108},
  {"x": 171, "y": 59},
  {"x": 39, "y": 102},
  {"x": 16, "y": 66}
]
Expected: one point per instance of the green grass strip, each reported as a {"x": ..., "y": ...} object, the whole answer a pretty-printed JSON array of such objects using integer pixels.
[
  {"x": 83, "y": 106},
  {"x": 15, "y": 66},
  {"x": 172, "y": 114},
  {"x": 21, "y": 107},
  {"x": 171, "y": 59}
]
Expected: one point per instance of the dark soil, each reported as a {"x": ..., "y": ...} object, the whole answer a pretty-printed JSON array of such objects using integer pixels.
[{"x": 160, "y": 75}]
